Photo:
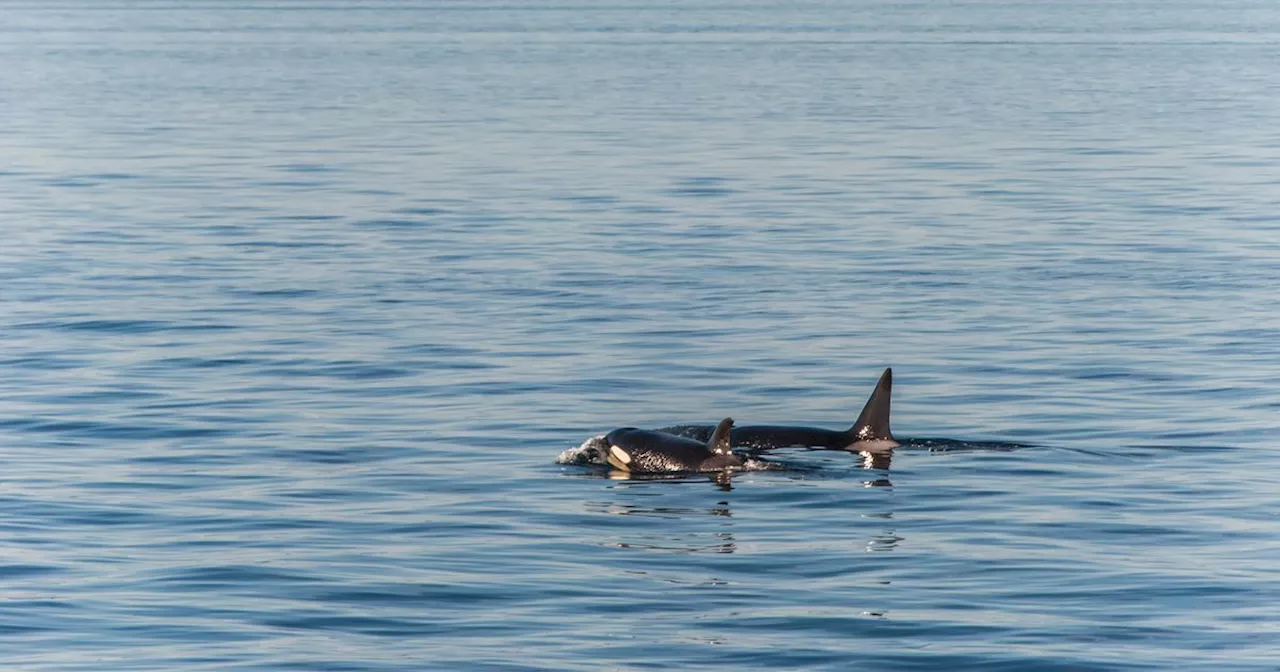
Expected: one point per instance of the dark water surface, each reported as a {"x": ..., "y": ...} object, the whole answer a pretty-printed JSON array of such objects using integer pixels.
[{"x": 300, "y": 303}]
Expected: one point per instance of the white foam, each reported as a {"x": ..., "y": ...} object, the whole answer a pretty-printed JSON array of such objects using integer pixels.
[
  {"x": 753, "y": 464},
  {"x": 590, "y": 452}
]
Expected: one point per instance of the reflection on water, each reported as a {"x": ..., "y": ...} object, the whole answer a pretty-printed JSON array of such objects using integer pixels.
[
  {"x": 724, "y": 544},
  {"x": 876, "y": 460},
  {"x": 941, "y": 445},
  {"x": 885, "y": 541},
  {"x": 720, "y": 540},
  {"x": 689, "y": 529},
  {"x": 615, "y": 509}
]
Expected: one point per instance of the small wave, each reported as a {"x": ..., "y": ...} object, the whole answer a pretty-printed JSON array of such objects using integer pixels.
[
  {"x": 941, "y": 445},
  {"x": 590, "y": 452},
  {"x": 757, "y": 464}
]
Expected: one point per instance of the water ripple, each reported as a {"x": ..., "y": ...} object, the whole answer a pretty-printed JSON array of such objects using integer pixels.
[{"x": 300, "y": 307}]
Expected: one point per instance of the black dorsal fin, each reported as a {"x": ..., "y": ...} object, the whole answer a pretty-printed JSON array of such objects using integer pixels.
[
  {"x": 720, "y": 442},
  {"x": 873, "y": 423}
]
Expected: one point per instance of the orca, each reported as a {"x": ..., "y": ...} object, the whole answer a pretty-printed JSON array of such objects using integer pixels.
[
  {"x": 869, "y": 433},
  {"x": 648, "y": 451}
]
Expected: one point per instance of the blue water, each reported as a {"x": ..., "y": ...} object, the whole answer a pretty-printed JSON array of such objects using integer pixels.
[{"x": 300, "y": 303}]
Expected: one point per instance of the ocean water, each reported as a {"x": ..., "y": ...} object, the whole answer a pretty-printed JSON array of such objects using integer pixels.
[{"x": 300, "y": 302}]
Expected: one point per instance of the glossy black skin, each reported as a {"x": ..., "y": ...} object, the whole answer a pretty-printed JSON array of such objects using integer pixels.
[
  {"x": 767, "y": 437},
  {"x": 870, "y": 431},
  {"x": 654, "y": 451}
]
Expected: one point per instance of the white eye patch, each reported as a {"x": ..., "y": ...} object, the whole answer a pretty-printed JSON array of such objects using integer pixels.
[{"x": 619, "y": 458}]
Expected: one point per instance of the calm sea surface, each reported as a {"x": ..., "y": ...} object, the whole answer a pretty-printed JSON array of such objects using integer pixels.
[{"x": 300, "y": 301}]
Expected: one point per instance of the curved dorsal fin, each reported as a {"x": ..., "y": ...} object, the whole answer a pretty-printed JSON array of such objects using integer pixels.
[
  {"x": 873, "y": 423},
  {"x": 720, "y": 440}
]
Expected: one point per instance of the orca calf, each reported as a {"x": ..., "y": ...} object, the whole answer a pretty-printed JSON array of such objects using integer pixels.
[
  {"x": 649, "y": 451},
  {"x": 870, "y": 432}
]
